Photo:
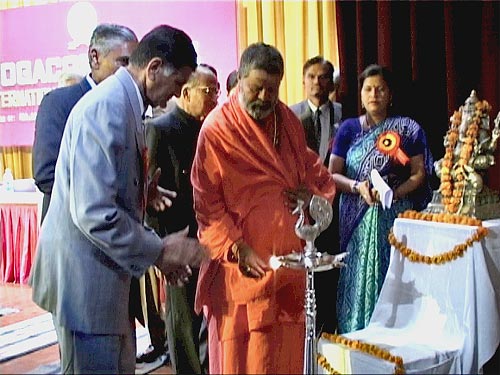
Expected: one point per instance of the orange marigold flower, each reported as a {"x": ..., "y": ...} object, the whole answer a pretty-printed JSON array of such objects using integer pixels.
[
  {"x": 445, "y": 185},
  {"x": 452, "y": 137}
]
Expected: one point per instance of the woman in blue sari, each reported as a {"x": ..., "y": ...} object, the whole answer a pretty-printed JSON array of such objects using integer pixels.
[{"x": 362, "y": 144}]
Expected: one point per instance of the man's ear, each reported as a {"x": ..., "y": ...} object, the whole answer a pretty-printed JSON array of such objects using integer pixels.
[
  {"x": 185, "y": 92},
  {"x": 94, "y": 58},
  {"x": 154, "y": 67}
]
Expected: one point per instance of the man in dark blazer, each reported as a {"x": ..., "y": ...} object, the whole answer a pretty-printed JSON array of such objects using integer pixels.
[
  {"x": 109, "y": 48},
  {"x": 317, "y": 78},
  {"x": 93, "y": 240},
  {"x": 171, "y": 140}
]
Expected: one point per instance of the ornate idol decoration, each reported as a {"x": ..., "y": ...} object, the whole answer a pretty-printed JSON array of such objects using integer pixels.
[{"x": 469, "y": 152}]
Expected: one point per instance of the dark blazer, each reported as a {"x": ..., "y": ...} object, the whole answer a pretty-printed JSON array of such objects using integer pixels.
[
  {"x": 304, "y": 113},
  {"x": 49, "y": 127},
  {"x": 328, "y": 241},
  {"x": 171, "y": 140}
]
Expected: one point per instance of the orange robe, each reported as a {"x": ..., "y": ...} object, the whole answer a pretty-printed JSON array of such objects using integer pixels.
[{"x": 238, "y": 176}]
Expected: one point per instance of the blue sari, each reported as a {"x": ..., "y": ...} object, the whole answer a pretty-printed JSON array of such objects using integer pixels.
[{"x": 364, "y": 229}]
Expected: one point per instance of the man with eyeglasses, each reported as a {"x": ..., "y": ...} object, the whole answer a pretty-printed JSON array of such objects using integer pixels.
[
  {"x": 109, "y": 48},
  {"x": 172, "y": 141}
]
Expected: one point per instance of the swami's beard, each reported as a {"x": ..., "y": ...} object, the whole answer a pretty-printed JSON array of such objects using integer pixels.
[{"x": 260, "y": 110}]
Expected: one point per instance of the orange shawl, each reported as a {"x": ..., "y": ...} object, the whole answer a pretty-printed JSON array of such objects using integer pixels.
[{"x": 238, "y": 180}]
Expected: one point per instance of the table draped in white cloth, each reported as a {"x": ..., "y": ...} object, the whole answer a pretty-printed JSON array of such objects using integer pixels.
[{"x": 438, "y": 318}]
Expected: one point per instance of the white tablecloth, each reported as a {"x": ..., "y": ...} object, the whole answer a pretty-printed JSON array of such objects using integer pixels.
[{"x": 438, "y": 318}]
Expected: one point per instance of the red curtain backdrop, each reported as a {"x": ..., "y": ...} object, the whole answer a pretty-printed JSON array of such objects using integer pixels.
[{"x": 438, "y": 51}]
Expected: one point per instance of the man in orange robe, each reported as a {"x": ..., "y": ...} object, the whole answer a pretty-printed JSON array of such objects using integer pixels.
[{"x": 251, "y": 167}]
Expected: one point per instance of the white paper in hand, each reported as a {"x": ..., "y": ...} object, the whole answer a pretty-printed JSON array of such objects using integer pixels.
[{"x": 383, "y": 189}]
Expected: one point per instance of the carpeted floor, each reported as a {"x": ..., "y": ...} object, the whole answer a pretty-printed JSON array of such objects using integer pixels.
[
  {"x": 7, "y": 311},
  {"x": 33, "y": 334},
  {"x": 26, "y": 336},
  {"x": 15, "y": 326},
  {"x": 54, "y": 368}
]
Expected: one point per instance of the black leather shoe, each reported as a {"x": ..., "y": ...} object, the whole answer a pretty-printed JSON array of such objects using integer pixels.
[{"x": 151, "y": 354}]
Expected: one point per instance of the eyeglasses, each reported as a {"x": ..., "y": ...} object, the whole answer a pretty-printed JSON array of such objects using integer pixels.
[{"x": 214, "y": 91}]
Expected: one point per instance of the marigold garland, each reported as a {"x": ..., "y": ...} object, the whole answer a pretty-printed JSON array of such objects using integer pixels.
[
  {"x": 361, "y": 346},
  {"x": 441, "y": 218},
  {"x": 452, "y": 185},
  {"x": 413, "y": 256},
  {"x": 323, "y": 362},
  {"x": 458, "y": 251}
]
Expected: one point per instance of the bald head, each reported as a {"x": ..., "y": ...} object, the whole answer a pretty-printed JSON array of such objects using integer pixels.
[{"x": 199, "y": 95}]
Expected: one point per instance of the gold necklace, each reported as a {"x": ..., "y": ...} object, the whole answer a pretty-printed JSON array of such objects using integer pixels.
[{"x": 275, "y": 137}]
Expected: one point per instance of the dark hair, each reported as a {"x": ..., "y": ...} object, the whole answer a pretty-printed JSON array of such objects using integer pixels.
[
  {"x": 261, "y": 56},
  {"x": 232, "y": 80},
  {"x": 173, "y": 46},
  {"x": 319, "y": 60},
  {"x": 108, "y": 36},
  {"x": 377, "y": 70}
]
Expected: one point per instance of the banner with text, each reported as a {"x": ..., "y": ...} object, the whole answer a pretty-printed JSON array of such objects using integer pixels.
[{"x": 39, "y": 43}]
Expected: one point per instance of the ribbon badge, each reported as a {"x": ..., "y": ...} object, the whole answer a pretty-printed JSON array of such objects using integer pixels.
[{"x": 388, "y": 143}]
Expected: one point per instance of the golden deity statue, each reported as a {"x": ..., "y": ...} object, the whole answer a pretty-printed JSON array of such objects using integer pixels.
[{"x": 470, "y": 147}]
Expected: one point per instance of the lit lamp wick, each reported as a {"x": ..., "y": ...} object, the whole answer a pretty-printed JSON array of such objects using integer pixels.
[{"x": 274, "y": 263}]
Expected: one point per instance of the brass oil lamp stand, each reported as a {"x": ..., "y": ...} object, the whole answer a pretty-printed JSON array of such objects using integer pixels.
[{"x": 311, "y": 261}]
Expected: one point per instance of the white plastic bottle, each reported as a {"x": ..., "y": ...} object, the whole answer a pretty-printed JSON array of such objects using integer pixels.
[{"x": 8, "y": 180}]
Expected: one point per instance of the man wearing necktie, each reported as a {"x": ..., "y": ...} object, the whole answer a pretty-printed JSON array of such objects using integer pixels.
[
  {"x": 320, "y": 118},
  {"x": 317, "y": 123}
]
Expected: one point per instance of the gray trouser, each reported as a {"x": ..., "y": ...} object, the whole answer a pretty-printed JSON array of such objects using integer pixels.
[{"x": 83, "y": 353}]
